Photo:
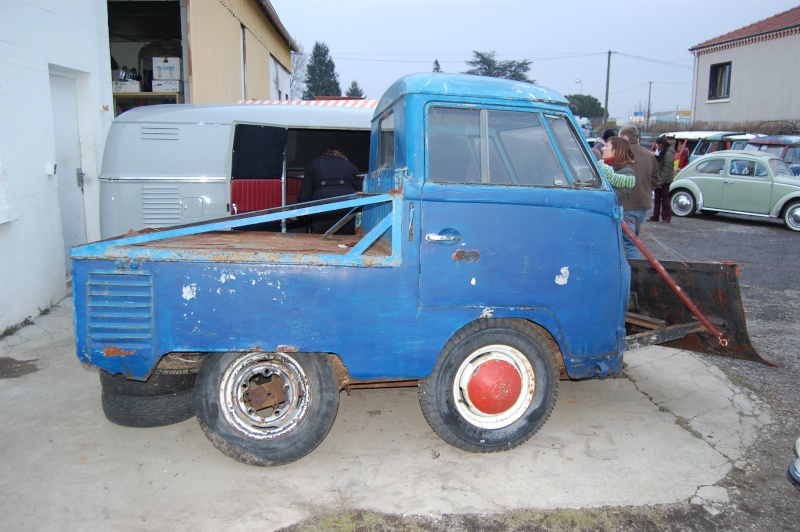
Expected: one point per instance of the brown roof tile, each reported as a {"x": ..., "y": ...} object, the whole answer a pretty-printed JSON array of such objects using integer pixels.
[{"x": 781, "y": 21}]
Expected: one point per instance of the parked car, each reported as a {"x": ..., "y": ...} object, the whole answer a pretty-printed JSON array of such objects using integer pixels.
[
  {"x": 740, "y": 182},
  {"x": 684, "y": 143},
  {"x": 719, "y": 142},
  {"x": 787, "y": 147}
]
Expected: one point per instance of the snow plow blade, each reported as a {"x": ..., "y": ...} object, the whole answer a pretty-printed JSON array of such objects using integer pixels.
[{"x": 658, "y": 315}]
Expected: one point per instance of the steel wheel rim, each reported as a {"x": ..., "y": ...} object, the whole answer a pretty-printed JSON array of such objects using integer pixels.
[
  {"x": 682, "y": 204},
  {"x": 792, "y": 217},
  {"x": 470, "y": 366},
  {"x": 271, "y": 423}
]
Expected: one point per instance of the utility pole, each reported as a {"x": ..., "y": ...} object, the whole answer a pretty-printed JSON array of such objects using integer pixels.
[
  {"x": 649, "y": 92},
  {"x": 608, "y": 81}
]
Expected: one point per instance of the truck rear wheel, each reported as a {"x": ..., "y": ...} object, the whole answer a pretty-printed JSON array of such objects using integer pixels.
[
  {"x": 493, "y": 387},
  {"x": 267, "y": 409}
]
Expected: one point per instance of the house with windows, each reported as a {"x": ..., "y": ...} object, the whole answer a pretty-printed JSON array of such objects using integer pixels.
[
  {"x": 749, "y": 74},
  {"x": 61, "y": 90}
]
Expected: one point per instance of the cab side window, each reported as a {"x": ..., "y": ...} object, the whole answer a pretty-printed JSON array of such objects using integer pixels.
[{"x": 493, "y": 147}]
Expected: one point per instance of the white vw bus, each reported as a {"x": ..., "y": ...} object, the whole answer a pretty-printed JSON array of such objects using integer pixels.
[{"x": 174, "y": 164}]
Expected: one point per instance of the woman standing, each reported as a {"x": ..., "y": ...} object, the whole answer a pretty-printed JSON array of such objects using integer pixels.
[
  {"x": 617, "y": 164},
  {"x": 665, "y": 155}
]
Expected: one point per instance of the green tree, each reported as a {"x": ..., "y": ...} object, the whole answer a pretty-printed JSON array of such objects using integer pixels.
[
  {"x": 585, "y": 105},
  {"x": 321, "y": 76},
  {"x": 485, "y": 64},
  {"x": 355, "y": 91},
  {"x": 436, "y": 66}
]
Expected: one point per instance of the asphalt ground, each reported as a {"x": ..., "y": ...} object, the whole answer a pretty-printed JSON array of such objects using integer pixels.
[{"x": 682, "y": 441}]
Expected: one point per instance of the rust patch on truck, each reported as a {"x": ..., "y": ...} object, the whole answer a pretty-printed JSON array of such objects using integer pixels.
[
  {"x": 111, "y": 351},
  {"x": 286, "y": 349},
  {"x": 467, "y": 255}
]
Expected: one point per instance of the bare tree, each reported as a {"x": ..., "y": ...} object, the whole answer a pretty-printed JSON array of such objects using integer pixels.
[{"x": 297, "y": 83}]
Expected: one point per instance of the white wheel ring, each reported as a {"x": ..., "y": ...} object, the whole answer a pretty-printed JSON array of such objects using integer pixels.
[{"x": 470, "y": 366}]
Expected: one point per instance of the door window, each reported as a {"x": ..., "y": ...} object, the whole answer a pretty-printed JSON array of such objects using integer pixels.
[
  {"x": 747, "y": 168},
  {"x": 494, "y": 147}
]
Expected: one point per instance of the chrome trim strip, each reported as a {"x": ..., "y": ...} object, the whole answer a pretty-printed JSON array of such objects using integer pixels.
[{"x": 165, "y": 179}]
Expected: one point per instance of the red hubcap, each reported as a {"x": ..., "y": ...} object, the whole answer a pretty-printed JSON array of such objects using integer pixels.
[{"x": 494, "y": 387}]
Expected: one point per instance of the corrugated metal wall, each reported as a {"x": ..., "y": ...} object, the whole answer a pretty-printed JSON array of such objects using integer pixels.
[
  {"x": 215, "y": 50},
  {"x": 214, "y": 53},
  {"x": 257, "y": 69}
]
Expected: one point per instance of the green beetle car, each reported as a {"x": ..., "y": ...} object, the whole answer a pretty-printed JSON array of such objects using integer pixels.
[{"x": 738, "y": 182}]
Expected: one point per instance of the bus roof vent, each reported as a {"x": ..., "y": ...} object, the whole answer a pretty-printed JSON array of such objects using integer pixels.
[{"x": 159, "y": 133}]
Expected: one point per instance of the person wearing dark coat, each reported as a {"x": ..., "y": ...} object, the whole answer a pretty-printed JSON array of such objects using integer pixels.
[
  {"x": 665, "y": 155},
  {"x": 328, "y": 176}
]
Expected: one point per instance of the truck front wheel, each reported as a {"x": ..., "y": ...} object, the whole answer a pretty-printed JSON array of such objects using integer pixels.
[
  {"x": 493, "y": 387},
  {"x": 267, "y": 409}
]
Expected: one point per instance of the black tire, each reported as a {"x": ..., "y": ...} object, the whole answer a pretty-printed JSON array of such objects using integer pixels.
[
  {"x": 682, "y": 202},
  {"x": 157, "y": 384},
  {"x": 149, "y": 411},
  {"x": 791, "y": 216},
  {"x": 524, "y": 357},
  {"x": 299, "y": 399}
]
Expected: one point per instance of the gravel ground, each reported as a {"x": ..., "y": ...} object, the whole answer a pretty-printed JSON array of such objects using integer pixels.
[{"x": 761, "y": 496}]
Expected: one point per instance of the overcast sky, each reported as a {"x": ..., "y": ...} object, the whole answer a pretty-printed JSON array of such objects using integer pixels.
[{"x": 375, "y": 42}]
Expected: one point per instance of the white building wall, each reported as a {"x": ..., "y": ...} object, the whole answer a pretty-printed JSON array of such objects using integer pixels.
[
  {"x": 40, "y": 35},
  {"x": 764, "y": 82}
]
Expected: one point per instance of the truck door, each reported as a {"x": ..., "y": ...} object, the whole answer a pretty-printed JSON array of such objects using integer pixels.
[{"x": 508, "y": 220}]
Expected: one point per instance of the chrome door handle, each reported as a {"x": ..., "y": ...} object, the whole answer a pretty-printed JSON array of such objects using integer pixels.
[{"x": 433, "y": 237}]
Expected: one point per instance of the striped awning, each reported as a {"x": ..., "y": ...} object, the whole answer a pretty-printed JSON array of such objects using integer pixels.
[{"x": 364, "y": 104}]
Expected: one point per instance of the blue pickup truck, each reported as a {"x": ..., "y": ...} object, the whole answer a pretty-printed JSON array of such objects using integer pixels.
[{"x": 486, "y": 265}]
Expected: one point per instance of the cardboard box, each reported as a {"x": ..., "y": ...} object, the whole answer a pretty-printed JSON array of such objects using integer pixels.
[
  {"x": 166, "y": 68},
  {"x": 127, "y": 86},
  {"x": 167, "y": 85}
]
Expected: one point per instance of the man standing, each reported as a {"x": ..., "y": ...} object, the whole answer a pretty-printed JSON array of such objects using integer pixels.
[{"x": 648, "y": 176}]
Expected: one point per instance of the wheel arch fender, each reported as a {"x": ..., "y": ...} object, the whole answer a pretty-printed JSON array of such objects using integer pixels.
[
  {"x": 685, "y": 184},
  {"x": 780, "y": 205},
  {"x": 542, "y": 318}
]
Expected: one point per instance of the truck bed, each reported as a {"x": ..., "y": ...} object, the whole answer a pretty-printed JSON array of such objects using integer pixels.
[{"x": 260, "y": 242}]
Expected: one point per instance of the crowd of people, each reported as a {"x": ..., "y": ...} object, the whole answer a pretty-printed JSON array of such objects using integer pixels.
[{"x": 639, "y": 176}]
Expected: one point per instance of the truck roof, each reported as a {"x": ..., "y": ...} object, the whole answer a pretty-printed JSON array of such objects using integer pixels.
[
  {"x": 300, "y": 116},
  {"x": 467, "y": 85}
]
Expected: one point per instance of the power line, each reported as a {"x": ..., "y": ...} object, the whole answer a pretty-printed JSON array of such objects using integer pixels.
[
  {"x": 655, "y": 82},
  {"x": 656, "y": 61}
]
